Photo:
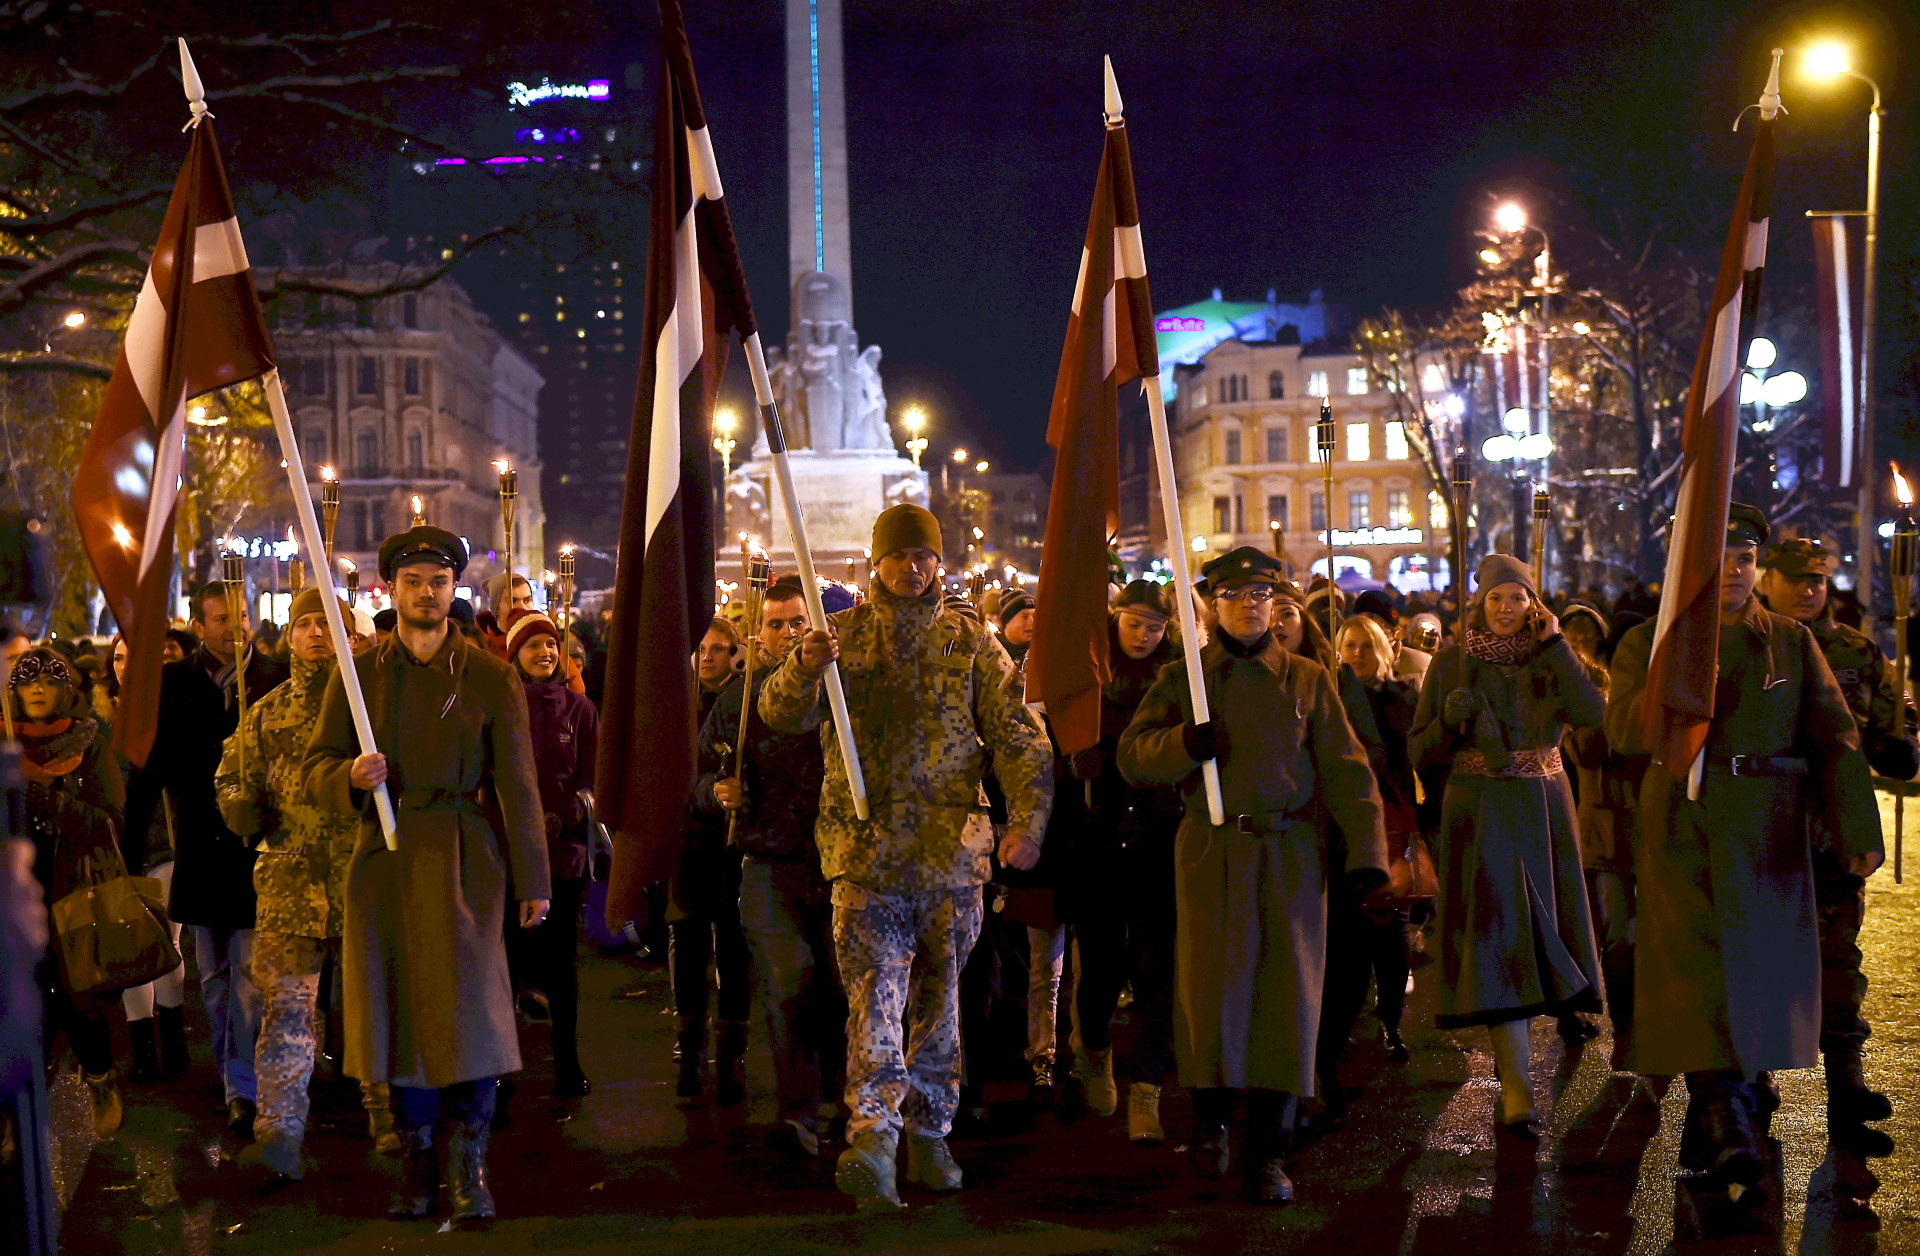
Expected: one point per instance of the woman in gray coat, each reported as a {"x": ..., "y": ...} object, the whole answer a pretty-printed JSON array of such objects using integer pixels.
[{"x": 1516, "y": 934}]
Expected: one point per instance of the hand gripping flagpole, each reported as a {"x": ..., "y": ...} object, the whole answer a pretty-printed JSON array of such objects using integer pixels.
[
  {"x": 803, "y": 555},
  {"x": 1176, "y": 534},
  {"x": 309, "y": 525}
]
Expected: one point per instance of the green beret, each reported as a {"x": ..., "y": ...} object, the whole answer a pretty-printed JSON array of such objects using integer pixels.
[{"x": 1801, "y": 556}]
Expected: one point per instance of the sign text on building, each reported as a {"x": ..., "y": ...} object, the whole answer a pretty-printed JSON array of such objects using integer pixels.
[{"x": 1376, "y": 536}]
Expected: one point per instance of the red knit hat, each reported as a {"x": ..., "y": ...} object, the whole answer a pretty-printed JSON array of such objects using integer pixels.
[{"x": 524, "y": 625}]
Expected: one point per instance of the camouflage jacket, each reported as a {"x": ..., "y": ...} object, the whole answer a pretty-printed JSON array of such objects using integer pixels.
[
  {"x": 930, "y": 694},
  {"x": 301, "y": 875},
  {"x": 1867, "y": 680}
]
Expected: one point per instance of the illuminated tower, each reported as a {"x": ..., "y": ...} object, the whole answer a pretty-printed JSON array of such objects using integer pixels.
[{"x": 816, "y": 144}]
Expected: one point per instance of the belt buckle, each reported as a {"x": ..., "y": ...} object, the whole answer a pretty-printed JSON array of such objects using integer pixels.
[
  {"x": 1246, "y": 825},
  {"x": 1734, "y": 764}
]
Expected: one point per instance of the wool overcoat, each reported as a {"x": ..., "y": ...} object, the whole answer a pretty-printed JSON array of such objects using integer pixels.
[
  {"x": 428, "y": 999},
  {"x": 1727, "y": 967},
  {"x": 1250, "y": 946}
]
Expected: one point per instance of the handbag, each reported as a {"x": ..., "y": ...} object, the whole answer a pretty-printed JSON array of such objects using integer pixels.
[
  {"x": 112, "y": 929},
  {"x": 1411, "y": 877}
]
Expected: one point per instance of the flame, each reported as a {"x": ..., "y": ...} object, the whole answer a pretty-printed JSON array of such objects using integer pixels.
[
  {"x": 567, "y": 549},
  {"x": 1901, "y": 489},
  {"x": 348, "y": 564},
  {"x": 121, "y": 535},
  {"x": 417, "y": 502},
  {"x": 502, "y": 465},
  {"x": 326, "y": 473}
]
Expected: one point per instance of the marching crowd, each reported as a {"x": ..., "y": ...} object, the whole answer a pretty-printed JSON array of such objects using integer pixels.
[{"x": 1480, "y": 788}]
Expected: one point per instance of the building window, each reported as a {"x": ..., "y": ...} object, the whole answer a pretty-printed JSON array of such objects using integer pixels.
[
  {"x": 410, "y": 312},
  {"x": 410, "y": 376},
  {"x": 1356, "y": 381},
  {"x": 1200, "y": 395},
  {"x": 313, "y": 443},
  {"x": 1239, "y": 513},
  {"x": 1317, "y": 510},
  {"x": 1359, "y": 509},
  {"x": 1436, "y": 510},
  {"x": 1316, "y": 383},
  {"x": 366, "y": 449},
  {"x": 1399, "y": 509},
  {"x": 377, "y": 523},
  {"x": 1433, "y": 378},
  {"x": 1277, "y": 443},
  {"x": 1233, "y": 448},
  {"x": 366, "y": 379},
  {"x": 1397, "y": 442},
  {"x": 1277, "y": 508},
  {"x": 1223, "y": 514},
  {"x": 312, "y": 377},
  {"x": 416, "y": 454},
  {"x": 1276, "y": 386},
  {"x": 1359, "y": 447}
]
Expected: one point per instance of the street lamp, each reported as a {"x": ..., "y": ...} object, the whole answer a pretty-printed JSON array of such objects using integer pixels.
[
  {"x": 915, "y": 421},
  {"x": 725, "y": 424},
  {"x": 1831, "y": 59},
  {"x": 75, "y": 320}
]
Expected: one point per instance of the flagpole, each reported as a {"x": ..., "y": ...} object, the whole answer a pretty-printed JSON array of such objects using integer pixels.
[
  {"x": 1183, "y": 592},
  {"x": 329, "y": 599},
  {"x": 803, "y": 555}
]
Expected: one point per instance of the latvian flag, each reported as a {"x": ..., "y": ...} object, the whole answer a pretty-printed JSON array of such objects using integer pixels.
[
  {"x": 196, "y": 326},
  {"x": 1110, "y": 343},
  {"x": 1837, "y": 278},
  {"x": 663, "y": 590},
  {"x": 1686, "y": 640}
]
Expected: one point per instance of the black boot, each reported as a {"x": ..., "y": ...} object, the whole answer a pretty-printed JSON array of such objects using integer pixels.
[
  {"x": 1616, "y": 968},
  {"x": 690, "y": 1043},
  {"x": 171, "y": 1022},
  {"x": 1576, "y": 1028},
  {"x": 418, "y": 1194},
  {"x": 467, "y": 1173},
  {"x": 1849, "y": 1099},
  {"x": 1726, "y": 1126},
  {"x": 146, "y": 1059},
  {"x": 730, "y": 1063},
  {"x": 1263, "y": 1169},
  {"x": 1207, "y": 1149}
]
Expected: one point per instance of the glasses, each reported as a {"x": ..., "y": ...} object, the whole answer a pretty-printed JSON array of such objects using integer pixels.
[{"x": 1257, "y": 595}]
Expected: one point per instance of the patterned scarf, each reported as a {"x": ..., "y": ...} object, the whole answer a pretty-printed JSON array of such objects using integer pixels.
[
  {"x": 1490, "y": 647},
  {"x": 55, "y": 748}
]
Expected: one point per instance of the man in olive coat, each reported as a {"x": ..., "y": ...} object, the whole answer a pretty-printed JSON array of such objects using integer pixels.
[
  {"x": 1250, "y": 945},
  {"x": 1727, "y": 970},
  {"x": 428, "y": 1000}
]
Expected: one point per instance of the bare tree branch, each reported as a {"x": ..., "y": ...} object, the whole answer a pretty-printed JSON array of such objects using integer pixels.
[
  {"x": 67, "y": 219},
  {"x": 19, "y": 363},
  {"x": 57, "y": 269}
]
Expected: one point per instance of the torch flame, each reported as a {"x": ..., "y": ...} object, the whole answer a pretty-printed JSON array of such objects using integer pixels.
[
  {"x": 326, "y": 473},
  {"x": 1901, "y": 489},
  {"x": 348, "y": 564},
  {"x": 502, "y": 465},
  {"x": 417, "y": 502}
]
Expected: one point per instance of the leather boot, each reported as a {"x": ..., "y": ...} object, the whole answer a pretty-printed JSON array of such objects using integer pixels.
[
  {"x": 868, "y": 1172},
  {"x": 171, "y": 1022},
  {"x": 730, "y": 1063},
  {"x": 145, "y": 1070},
  {"x": 467, "y": 1172},
  {"x": 1263, "y": 1167},
  {"x": 1616, "y": 968},
  {"x": 418, "y": 1194},
  {"x": 103, "y": 1097},
  {"x": 1727, "y": 1128},
  {"x": 1849, "y": 1099},
  {"x": 377, "y": 1099},
  {"x": 690, "y": 1038}
]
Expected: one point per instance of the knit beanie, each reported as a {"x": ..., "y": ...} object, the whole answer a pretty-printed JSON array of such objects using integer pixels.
[
  {"x": 1012, "y": 602},
  {"x": 307, "y": 601},
  {"x": 1496, "y": 569},
  {"x": 523, "y": 626},
  {"x": 905, "y": 526}
]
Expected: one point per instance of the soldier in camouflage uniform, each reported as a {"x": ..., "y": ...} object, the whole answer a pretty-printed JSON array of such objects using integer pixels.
[
  {"x": 1795, "y": 585},
  {"x": 300, "y": 879},
  {"x": 929, "y": 694}
]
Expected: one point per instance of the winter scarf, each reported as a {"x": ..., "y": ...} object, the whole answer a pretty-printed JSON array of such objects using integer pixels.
[
  {"x": 55, "y": 748},
  {"x": 1490, "y": 647}
]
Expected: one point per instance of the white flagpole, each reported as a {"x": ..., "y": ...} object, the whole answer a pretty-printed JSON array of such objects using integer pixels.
[
  {"x": 329, "y": 600},
  {"x": 809, "y": 585}
]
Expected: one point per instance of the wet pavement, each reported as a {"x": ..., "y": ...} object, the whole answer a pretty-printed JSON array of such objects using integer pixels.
[{"x": 1414, "y": 1169}]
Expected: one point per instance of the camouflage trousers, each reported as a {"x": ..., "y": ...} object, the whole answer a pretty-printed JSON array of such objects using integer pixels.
[
  {"x": 900, "y": 957},
  {"x": 1840, "y": 904},
  {"x": 286, "y": 971}
]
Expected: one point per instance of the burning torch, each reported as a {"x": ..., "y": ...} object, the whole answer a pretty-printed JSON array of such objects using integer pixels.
[
  {"x": 1462, "y": 482},
  {"x": 509, "y": 494},
  {"x": 1542, "y": 511},
  {"x": 419, "y": 506},
  {"x": 233, "y": 574},
  {"x": 1323, "y": 440},
  {"x": 1900, "y": 566},
  {"x": 566, "y": 590},
  {"x": 759, "y": 570},
  {"x": 329, "y": 506}
]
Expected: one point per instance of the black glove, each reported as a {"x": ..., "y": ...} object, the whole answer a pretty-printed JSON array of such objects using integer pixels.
[
  {"x": 1084, "y": 765},
  {"x": 1895, "y": 759},
  {"x": 1362, "y": 882},
  {"x": 1204, "y": 741}
]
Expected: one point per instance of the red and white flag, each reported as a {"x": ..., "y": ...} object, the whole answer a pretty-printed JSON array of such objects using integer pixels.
[
  {"x": 1837, "y": 285},
  {"x": 1110, "y": 343},
  {"x": 1686, "y": 640},
  {"x": 196, "y": 326},
  {"x": 663, "y": 590}
]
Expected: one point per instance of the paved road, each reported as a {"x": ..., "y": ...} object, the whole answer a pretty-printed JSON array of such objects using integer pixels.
[{"x": 1414, "y": 1170}]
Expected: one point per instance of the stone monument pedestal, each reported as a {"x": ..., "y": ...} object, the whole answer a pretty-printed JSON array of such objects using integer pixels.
[{"x": 841, "y": 492}]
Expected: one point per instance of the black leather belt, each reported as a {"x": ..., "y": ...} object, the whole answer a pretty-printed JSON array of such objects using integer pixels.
[{"x": 1758, "y": 765}]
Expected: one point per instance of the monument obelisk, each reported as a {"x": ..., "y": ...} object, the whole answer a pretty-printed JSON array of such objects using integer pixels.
[{"x": 845, "y": 465}]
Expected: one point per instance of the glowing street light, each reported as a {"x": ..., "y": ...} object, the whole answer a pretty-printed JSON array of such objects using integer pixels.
[
  {"x": 915, "y": 421},
  {"x": 75, "y": 320},
  {"x": 725, "y": 424},
  {"x": 1510, "y": 217},
  {"x": 1761, "y": 354}
]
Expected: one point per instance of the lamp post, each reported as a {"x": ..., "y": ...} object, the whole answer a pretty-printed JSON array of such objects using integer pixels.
[
  {"x": 1323, "y": 441},
  {"x": 915, "y": 421},
  {"x": 509, "y": 498},
  {"x": 1900, "y": 569},
  {"x": 1831, "y": 60}
]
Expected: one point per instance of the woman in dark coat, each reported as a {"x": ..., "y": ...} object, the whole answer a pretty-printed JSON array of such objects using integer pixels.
[
  {"x": 565, "y": 731},
  {"x": 74, "y": 802},
  {"x": 1516, "y": 934}
]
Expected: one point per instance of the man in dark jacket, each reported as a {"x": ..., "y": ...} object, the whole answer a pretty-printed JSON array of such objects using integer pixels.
[
  {"x": 213, "y": 868},
  {"x": 785, "y": 907}
]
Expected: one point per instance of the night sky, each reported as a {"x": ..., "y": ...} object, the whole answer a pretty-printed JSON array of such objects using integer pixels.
[{"x": 1351, "y": 147}]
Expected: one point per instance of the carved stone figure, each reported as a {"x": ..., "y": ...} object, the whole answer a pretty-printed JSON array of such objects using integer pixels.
[{"x": 829, "y": 389}]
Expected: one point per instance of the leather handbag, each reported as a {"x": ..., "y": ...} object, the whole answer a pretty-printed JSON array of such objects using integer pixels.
[
  {"x": 112, "y": 930},
  {"x": 1411, "y": 877}
]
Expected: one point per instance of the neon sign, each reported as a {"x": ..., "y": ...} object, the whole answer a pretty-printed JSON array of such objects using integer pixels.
[
  {"x": 1180, "y": 324},
  {"x": 1376, "y": 536},
  {"x": 519, "y": 94}
]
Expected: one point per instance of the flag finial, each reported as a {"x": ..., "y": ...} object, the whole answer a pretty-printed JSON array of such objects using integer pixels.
[
  {"x": 196, "y": 93},
  {"x": 1770, "y": 97},
  {"x": 1115, "y": 114}
]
